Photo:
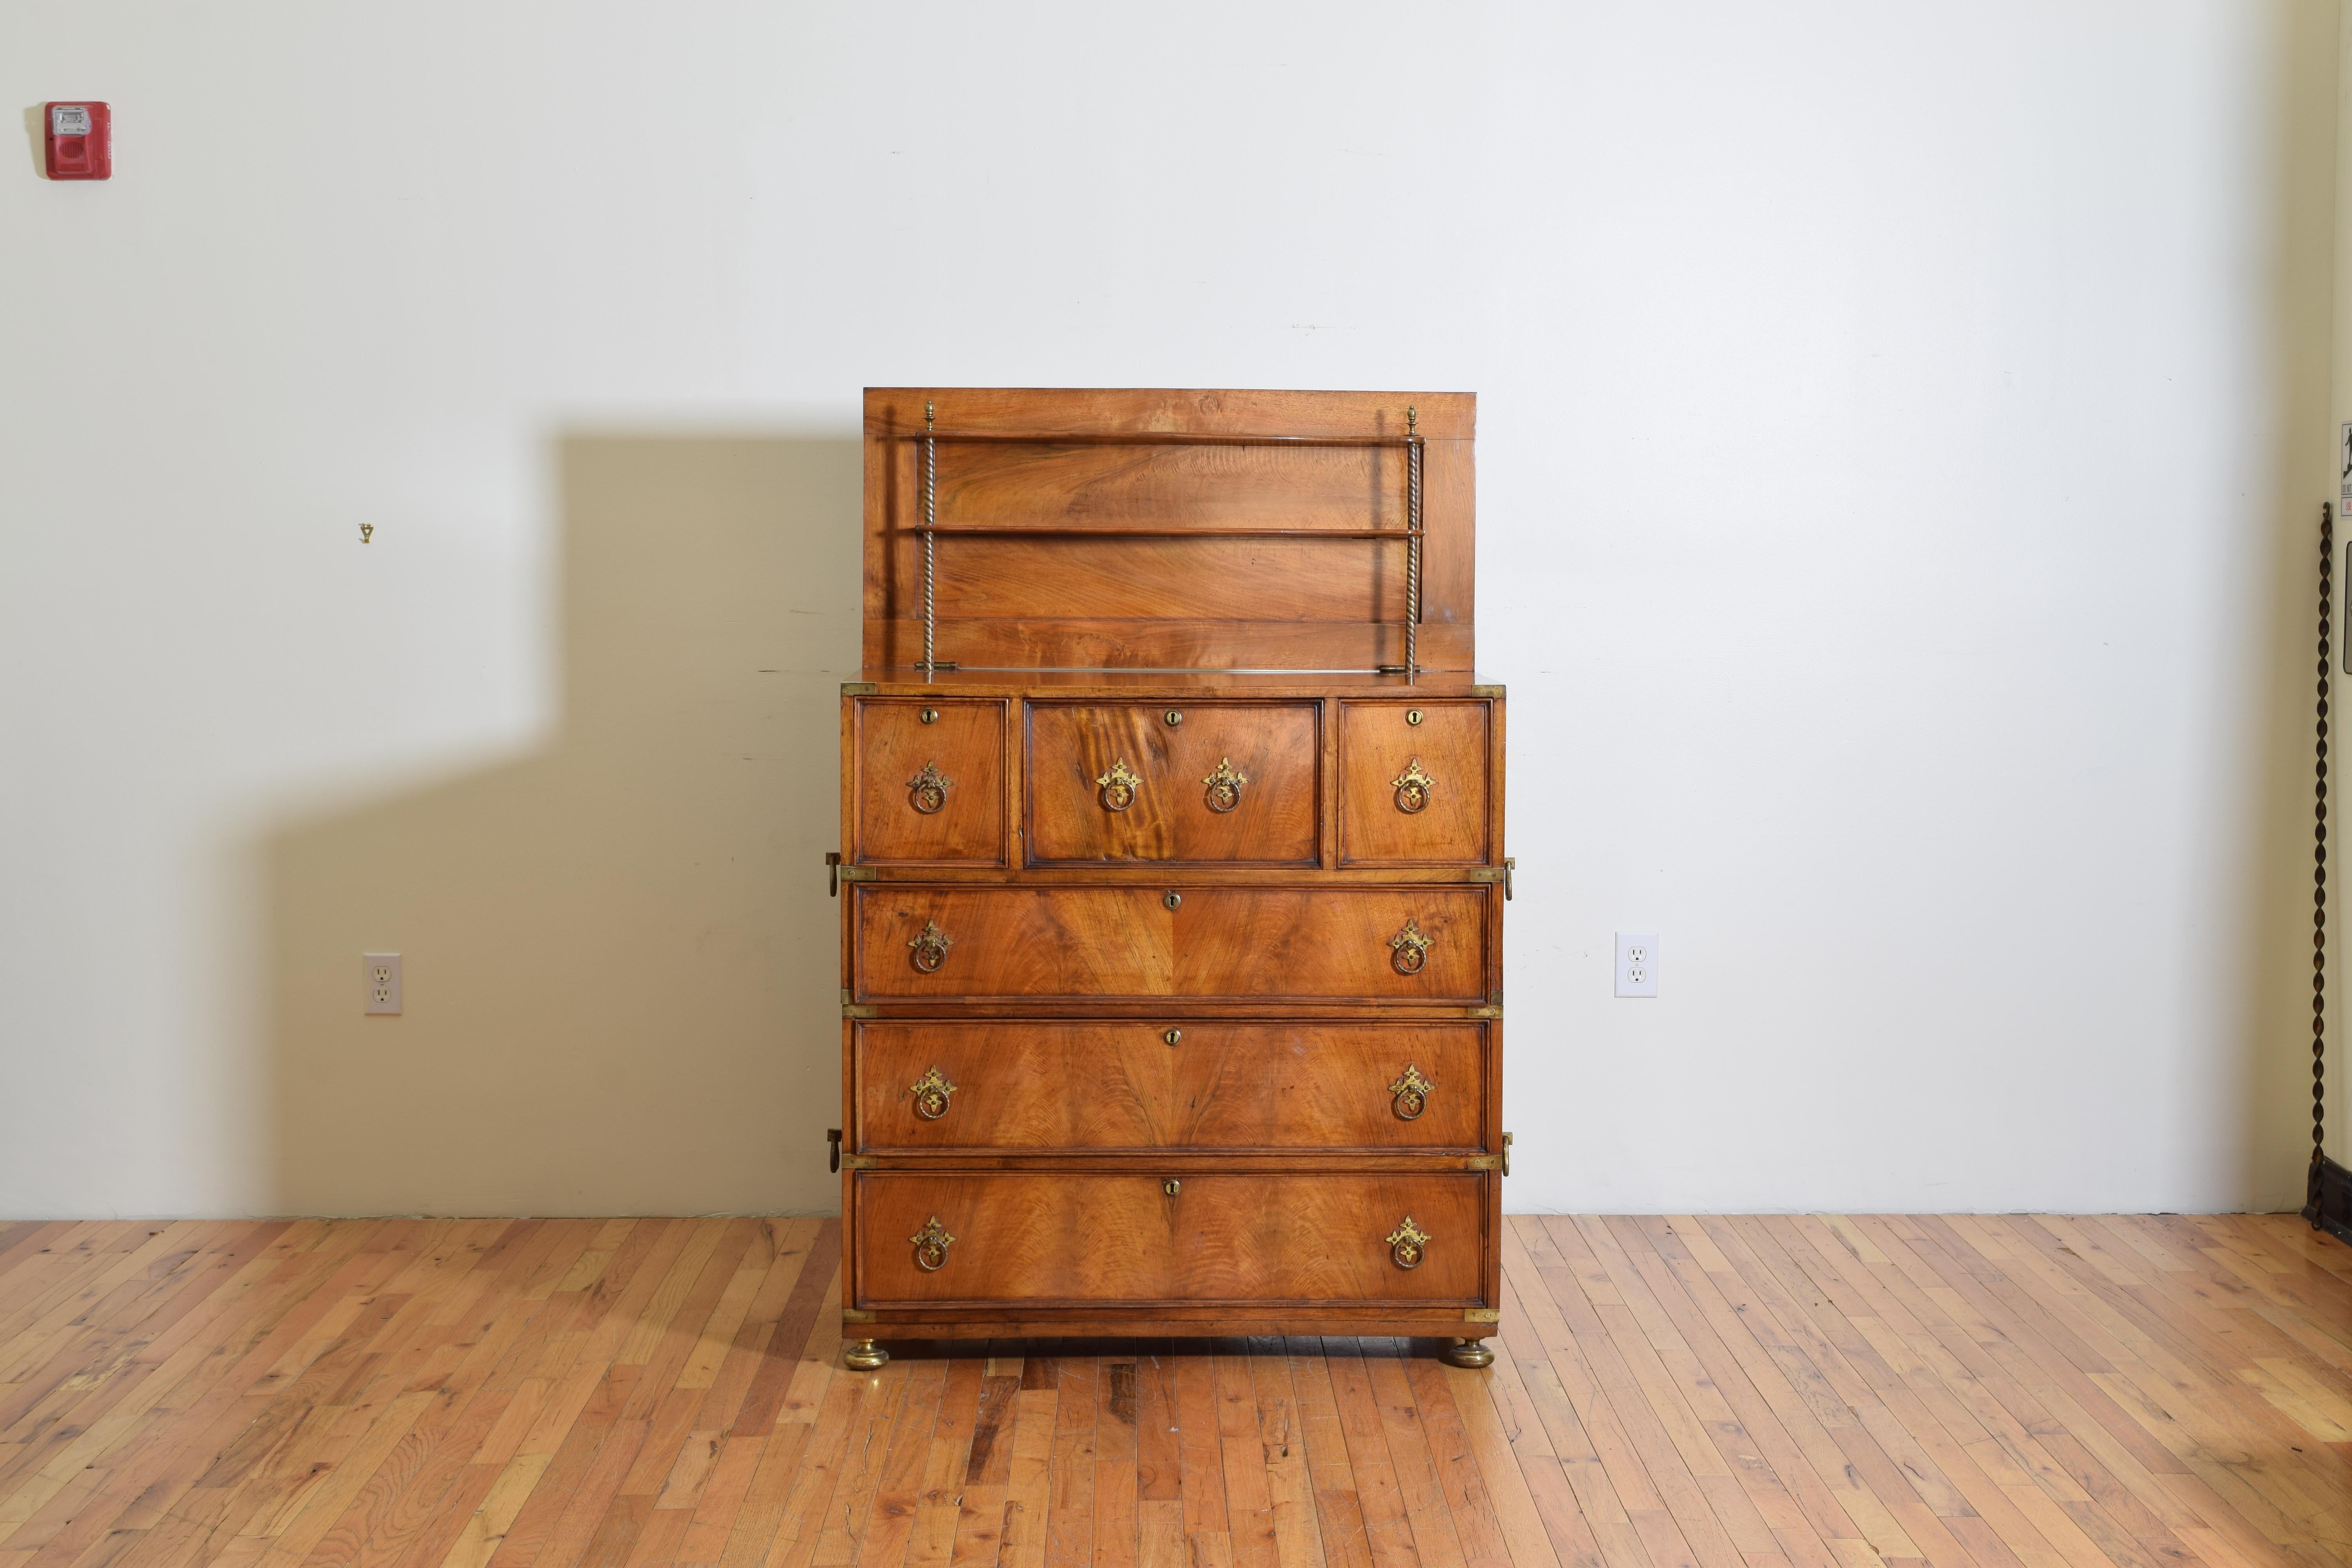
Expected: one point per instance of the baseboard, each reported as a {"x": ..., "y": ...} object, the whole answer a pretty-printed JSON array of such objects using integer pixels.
[{"x": 2328, "y": 1202}]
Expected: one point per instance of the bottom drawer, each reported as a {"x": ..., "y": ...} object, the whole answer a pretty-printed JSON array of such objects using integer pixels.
[{"x": 1046, "y": 1238}]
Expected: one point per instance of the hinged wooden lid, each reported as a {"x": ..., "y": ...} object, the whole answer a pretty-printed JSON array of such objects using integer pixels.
[{"x": 1176, "y": 531}]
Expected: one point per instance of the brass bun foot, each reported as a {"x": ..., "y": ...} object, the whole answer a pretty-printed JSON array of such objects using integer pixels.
[
  {"x": 865, "y": 1355},
  {"x": 1472, "y": 1353}
]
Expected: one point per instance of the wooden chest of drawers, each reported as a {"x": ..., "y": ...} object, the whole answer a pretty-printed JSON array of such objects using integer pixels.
[{"x": 1171, "y": 986}]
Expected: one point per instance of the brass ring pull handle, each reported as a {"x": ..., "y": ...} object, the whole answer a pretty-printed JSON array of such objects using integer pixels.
[
  {"x": 1407, "y": 949},
  {"x": 931, "y": 945},
  {"x": 931, "y": 1243},
  {"x": 1412, "y": 1093},
  {"x": 1224, "y": 786},
  {"x": 928, "y": 790},
  {"x": 930, "y": 1092},
  {"x": 1408, "y": 1244},
  {"x": 1118, "y": 786},
  {"x": 1413, "y": 787}
]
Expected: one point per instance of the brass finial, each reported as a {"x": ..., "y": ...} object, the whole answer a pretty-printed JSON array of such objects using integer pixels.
[
  {"x": 367, "y": 531},
  {"x": 927, "y": 413},
  {"x": 1412, "y": 419}
]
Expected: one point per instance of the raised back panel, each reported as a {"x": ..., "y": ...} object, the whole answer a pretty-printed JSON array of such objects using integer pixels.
[{"x": 1151, "y": 529}]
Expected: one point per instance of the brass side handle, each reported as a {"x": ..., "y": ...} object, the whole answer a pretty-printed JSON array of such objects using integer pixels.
[
  {"x": 833, "y": 1137},
  {"x": 931, "y": 1092},
  {"x": 928, "y": 790},
  {"x": 1506, "y": 1153},
  {"x": 833, "y": 873},
  {"x": 1408, "y": 1244},
  {"x": 931, "y": 1243},
  {"x": 1118, "y": 786},
  {"x": 931, "y": 945},
  {"x": 1412, "y": 1092},
  {"x": 1407, "y": 949},
  {"x": 1225, "y": 786},
  {"x": 1413, "y": 787}
]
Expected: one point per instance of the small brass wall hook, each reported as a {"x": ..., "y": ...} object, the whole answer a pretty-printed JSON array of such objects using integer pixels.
[{"x": 367, "y": 531}]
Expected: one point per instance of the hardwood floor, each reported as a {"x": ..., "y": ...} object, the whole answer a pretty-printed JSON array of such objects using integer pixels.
[{"x": 1721, "y": 1392}]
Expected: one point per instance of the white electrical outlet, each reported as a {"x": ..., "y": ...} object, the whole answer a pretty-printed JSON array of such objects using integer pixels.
[
  {"x": 1637, "y": 964},
  {"x": 381, "y": 970}
]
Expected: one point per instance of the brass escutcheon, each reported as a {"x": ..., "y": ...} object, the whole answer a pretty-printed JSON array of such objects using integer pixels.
[
  {"x": 1224, "y": 786},
  {"x": 931, "y": 945},
  {"x": 928, "y": 790},
  {"x": 1408, "y": 1244},
  {"x": 1407, "y": 949},
  {"x": 1413, "y": 715},
  {"x": 931, "y": 1243},
  {"x": 1171, "y": 1186},
  {"x": 1413, "y": 787},
  {"x": 930, "y": 1092},
  {"x": 929, "y": 715},
  {"x": 1171, "y": 898},
  {"x": 1173, "y": 1035},
  {"x": 1412, "y": 1093},
  {"x": 1174, "y": 717},
  {"x": 1118, "y": 786}
]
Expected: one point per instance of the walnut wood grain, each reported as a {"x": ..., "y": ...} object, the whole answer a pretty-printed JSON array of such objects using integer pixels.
[
  {"x": 1071, "y": 747},
  {"x": 994, "y": 484},
  {"x": 890, "y": 744},
  {"x": 1219, "y": 578},
  {"x": 1105, "y": 1088},
  {"x": 1048, "y": 643},
  {"x": 1124, "y": 943},
  {"x": 1378, "y": 744},
  {"x": 1002, "y": 600},
  {"x": 1266, "y": 1240}
]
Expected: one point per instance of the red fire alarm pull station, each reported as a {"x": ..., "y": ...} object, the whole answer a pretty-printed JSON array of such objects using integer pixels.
[{"x": 80, "y": 141}]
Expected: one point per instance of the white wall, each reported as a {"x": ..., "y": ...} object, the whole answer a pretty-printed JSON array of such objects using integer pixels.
[{"x": 1900, "y": 430}]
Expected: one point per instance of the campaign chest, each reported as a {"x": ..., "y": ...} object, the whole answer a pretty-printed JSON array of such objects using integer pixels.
[{"x": 1172, "y": 878}]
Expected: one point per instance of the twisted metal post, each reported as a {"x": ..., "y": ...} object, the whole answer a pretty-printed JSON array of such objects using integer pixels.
[
  {"x": 1412, "y": 544},
  {"x": 930, "y": 539}
]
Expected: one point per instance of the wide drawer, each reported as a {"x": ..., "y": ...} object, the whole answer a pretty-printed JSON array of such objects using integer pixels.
[
  {"x": 1407, "y": 943},
  {"x": 1415, "y": 785},
  {"x": 927, "y": 781},
  {"x": 1082, "y": 1237},
  {"x": 1190, "y": 1084},
  {"x": 1230, "y": 782}
]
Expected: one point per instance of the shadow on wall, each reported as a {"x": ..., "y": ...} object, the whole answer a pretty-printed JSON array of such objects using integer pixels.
[{"x": 620, "y": 964}]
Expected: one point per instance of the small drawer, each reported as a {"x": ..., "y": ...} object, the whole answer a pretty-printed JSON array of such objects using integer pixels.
[
  {"x": 1174, "y": 1083},
  {"x": 928, "y": 780},
  {"x": 1412, "y": 943},
  {"x": 1415, "y": 785},
  {"x": 1050, "y": 1238},
  {"x": 1199, "y": 782}
]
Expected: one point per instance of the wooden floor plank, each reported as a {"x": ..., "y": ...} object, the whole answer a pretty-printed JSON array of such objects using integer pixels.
[{"x": 1787, "y": 1392}]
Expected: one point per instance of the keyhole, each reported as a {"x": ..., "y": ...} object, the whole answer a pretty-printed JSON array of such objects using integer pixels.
[
  {"x": 1171, "y": 898},
  {"x": 1171, "y": 1186}
]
